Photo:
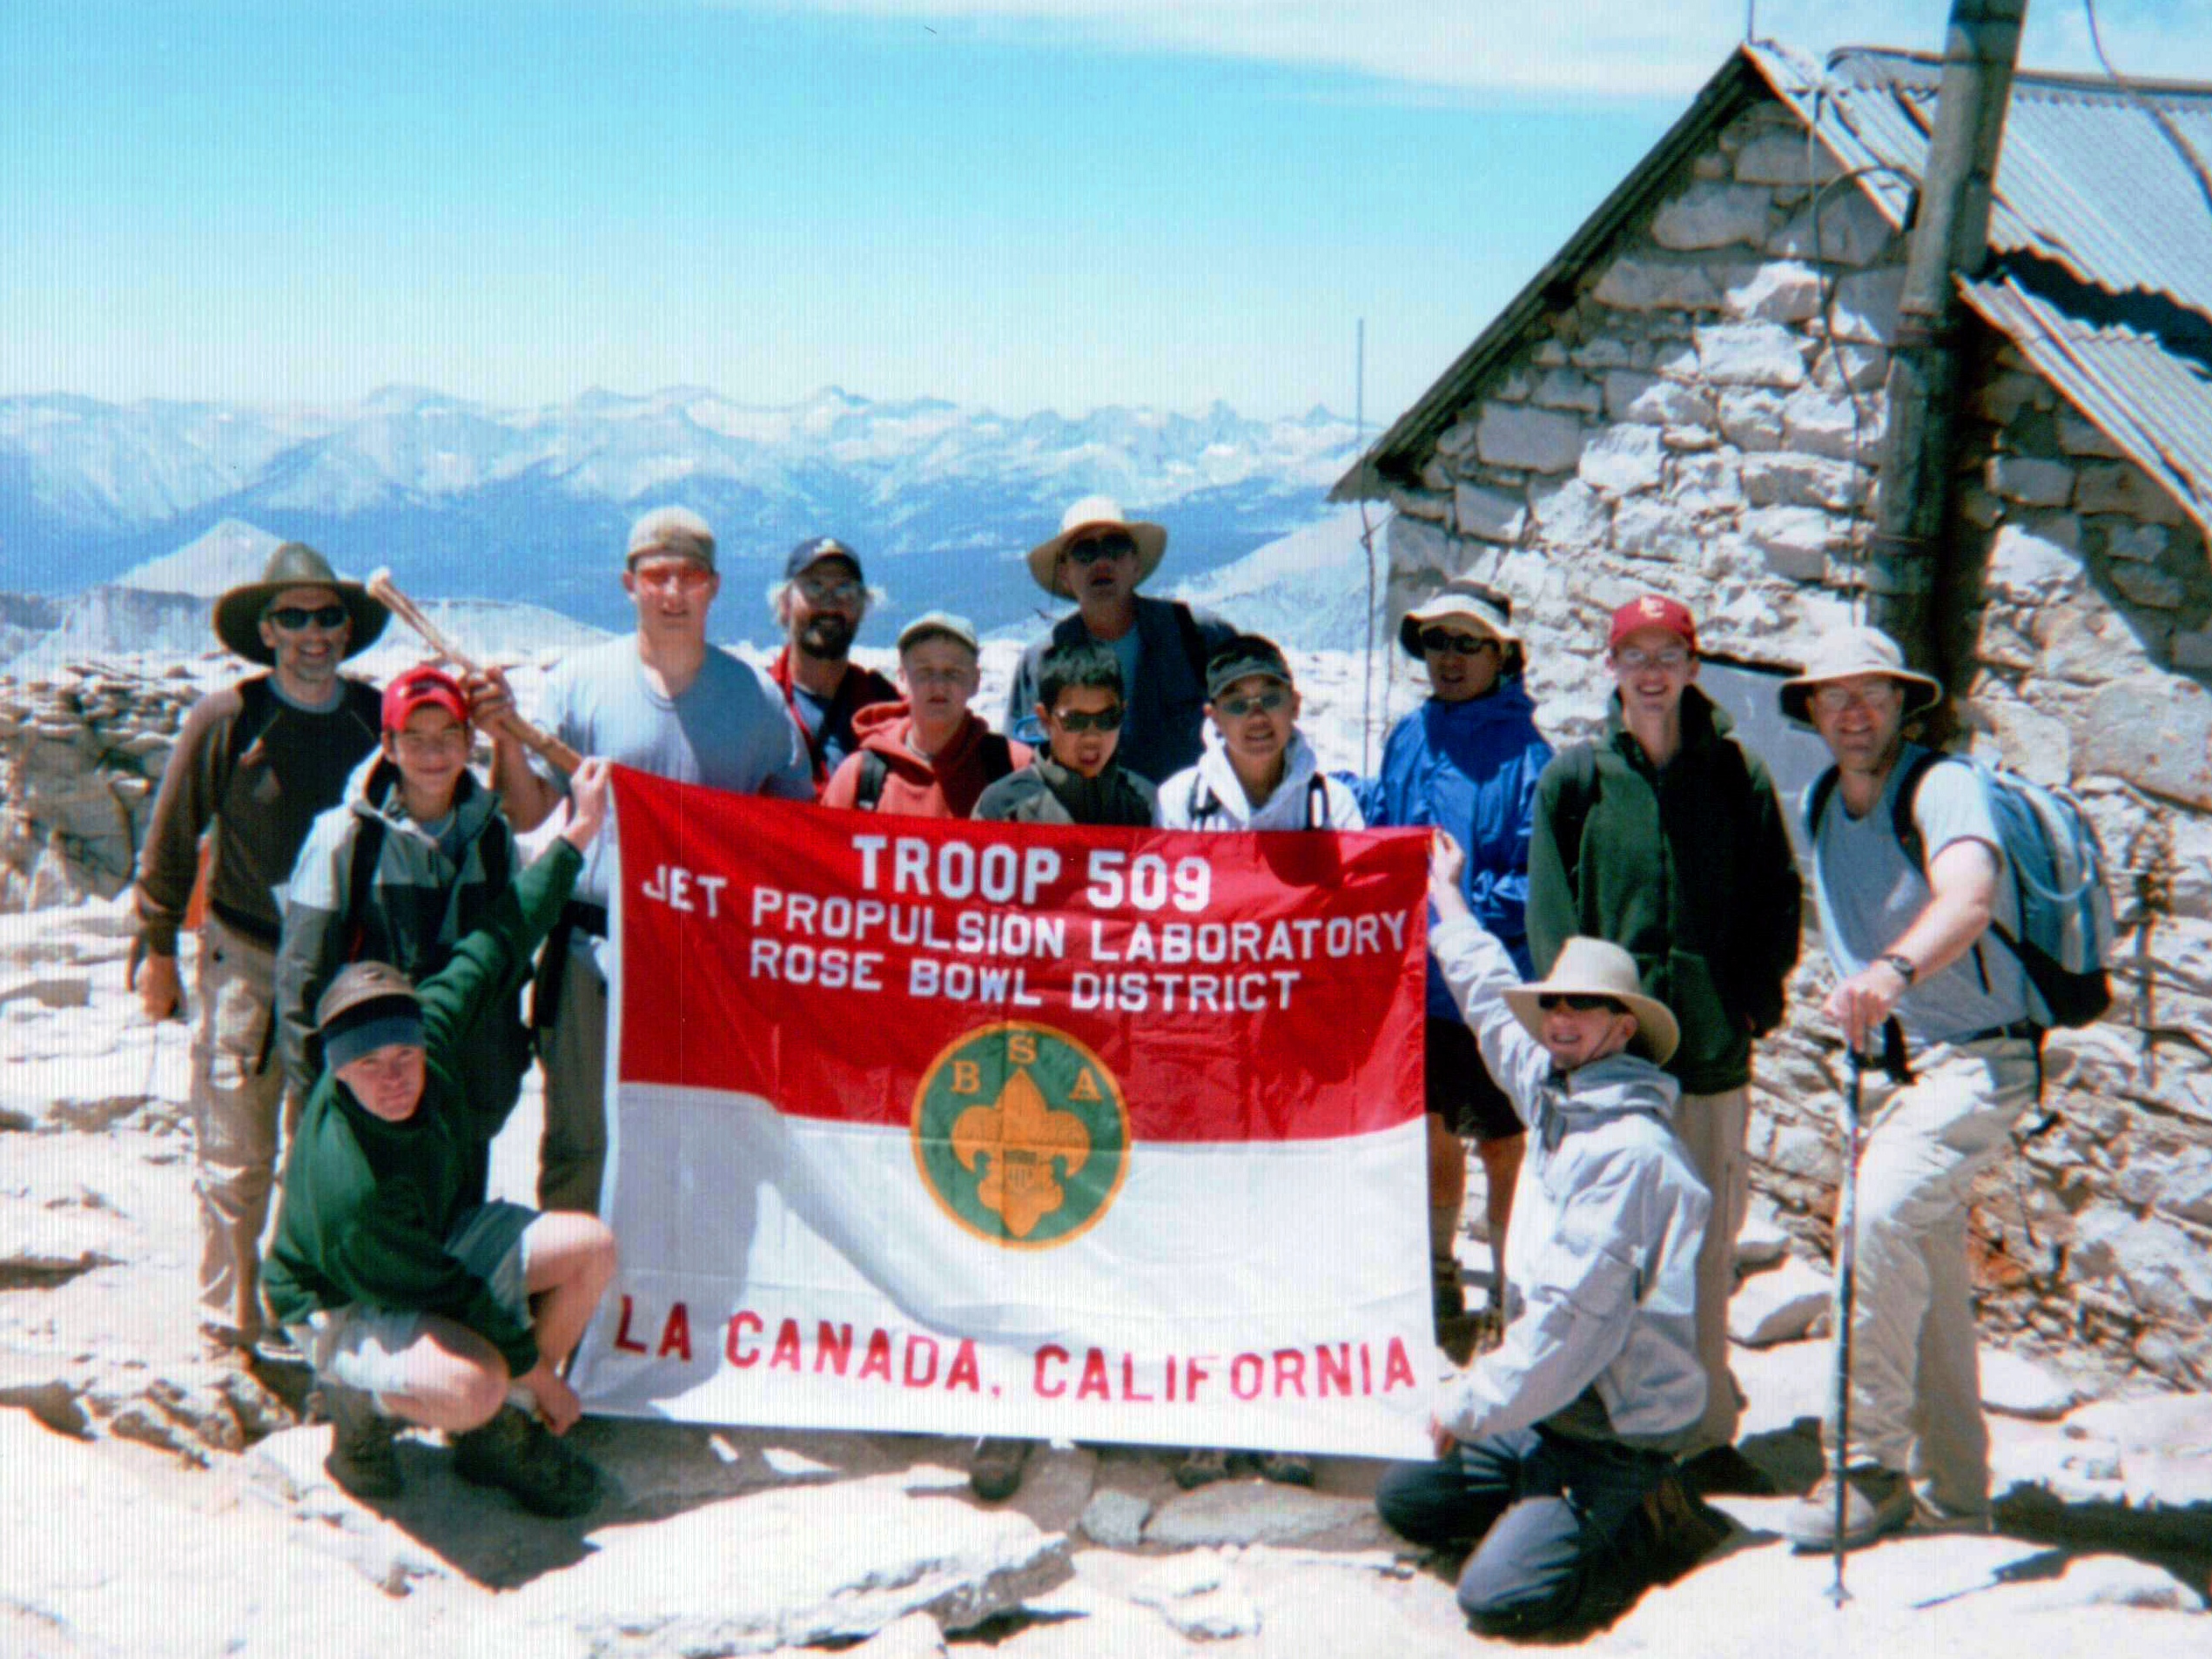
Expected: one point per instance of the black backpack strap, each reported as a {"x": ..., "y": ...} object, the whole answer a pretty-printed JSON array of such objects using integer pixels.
[
  {"x": 868, "y": 790},
  {"x": 1316, "y": 802},
  {"x": 257, "y": 708},
  {"x": 1909, "y": 794},
  {"x": 1577, "y": 794},
  {"x": 496, "y": 853},
  {"x": 360, "y": 876},
  {"x": 1203, "y": 803},
  {"x": 1816, "y": 805},
  {"x": 1194, "y": 641}
]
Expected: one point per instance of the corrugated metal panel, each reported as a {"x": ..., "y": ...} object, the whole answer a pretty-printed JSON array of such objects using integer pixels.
[
  {"x": 2089, "y": 181},
  {"x": 2085, "y": 175},
  {"x": 2155, "y": 405}
]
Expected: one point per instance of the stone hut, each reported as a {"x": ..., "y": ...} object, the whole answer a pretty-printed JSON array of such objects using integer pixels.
[{"x": 1688, "y": 399}]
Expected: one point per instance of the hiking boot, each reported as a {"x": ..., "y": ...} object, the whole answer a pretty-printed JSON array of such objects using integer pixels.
[
  {"x": 274, "y": 1346},
  {"x": 1680, "y": 1528},
  {"x": 1876, "y": 1501},
  {"x": 364, "y": 1451},
  {"x": 995, "y": 1466},
  {"x": 518, "y": 1454},
  {"x": 1287, "y": 1468},
  {"x": 1726, "y": 1473},
  {"x": 1202, "y": 1468}
]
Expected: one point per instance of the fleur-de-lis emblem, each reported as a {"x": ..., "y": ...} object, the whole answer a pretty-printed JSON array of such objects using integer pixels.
[{"x": 1027, "y": 1143}]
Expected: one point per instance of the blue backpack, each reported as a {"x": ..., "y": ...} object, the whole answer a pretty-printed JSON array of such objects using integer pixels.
[{"x": 2058, "y": 871}]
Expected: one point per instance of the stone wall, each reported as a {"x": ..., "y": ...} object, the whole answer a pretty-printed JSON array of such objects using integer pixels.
[
  {"x": 1701, "y": 418},
  {"x": 81, "y": 754}
]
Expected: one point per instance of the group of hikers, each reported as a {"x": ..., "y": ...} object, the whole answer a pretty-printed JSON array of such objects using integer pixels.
[{"x": 1614, "y": 927}]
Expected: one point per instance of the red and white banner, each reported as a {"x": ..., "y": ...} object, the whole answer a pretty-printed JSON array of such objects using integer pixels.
[{"x": 978, "y": 1128}]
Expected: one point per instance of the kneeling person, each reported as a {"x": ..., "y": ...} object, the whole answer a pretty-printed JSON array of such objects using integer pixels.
[
  {"x": 1551, "y": 1446},
  {"x": 414, "y": 1298}
]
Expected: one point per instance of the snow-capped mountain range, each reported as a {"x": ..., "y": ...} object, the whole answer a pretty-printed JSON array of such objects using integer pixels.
[{"x": 463, "y": 499}]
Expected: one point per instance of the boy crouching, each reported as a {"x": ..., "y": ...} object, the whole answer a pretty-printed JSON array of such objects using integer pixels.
[
  {"x": 414, "y": 1298},
  {"x": 1549, "y": 1446}
]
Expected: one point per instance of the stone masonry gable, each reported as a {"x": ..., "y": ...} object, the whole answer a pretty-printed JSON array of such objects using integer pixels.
[{"x": 1699, "y": 413}]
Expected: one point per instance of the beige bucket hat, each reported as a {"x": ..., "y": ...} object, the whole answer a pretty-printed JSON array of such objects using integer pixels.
[
  {"x": 1590, "y": 967},
  {"x": 1089, "y": 513},
  {"x": 1848, "y": 652},
  {"x": 1477, "y": 604}
]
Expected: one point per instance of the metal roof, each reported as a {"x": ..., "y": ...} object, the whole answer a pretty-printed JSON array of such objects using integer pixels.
[{"x": 2101, "y": 238}]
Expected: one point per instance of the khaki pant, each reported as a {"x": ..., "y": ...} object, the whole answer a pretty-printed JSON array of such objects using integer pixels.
[
  {"x": 1713, "y": 1129},
  {"x": 572, "y": 1154},
  {"x": 237, "y": 1097},
  {"x": 1915, "y": 1381}
]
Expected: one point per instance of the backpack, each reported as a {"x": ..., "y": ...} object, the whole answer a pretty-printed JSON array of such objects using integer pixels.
[
  {"x": 495, "y": 852},
  {"x": 867, "y": 787},
  {"x": 2058, "y": 869}
]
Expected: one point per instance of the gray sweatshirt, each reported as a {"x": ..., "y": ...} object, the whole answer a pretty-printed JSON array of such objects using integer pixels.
[{"x": 1600, "y": 1259}]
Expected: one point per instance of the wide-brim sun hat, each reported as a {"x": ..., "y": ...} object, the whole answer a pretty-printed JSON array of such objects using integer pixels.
[
  {"x": 1474, "y": 602},
  {"x": 1590, "y": 967},
  {"x": 1847, "y": 654},
  {"x": 1095, "y": 511},
  {"x": 238, "y": 613}
]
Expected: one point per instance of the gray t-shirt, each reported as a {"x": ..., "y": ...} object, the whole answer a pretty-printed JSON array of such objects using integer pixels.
[
  {"x": 1871, "y": 894},
  {"x": 729, "y": 730}
]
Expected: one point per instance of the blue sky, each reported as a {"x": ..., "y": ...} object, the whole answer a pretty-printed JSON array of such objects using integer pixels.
[{"x": 1022, "y": 204}]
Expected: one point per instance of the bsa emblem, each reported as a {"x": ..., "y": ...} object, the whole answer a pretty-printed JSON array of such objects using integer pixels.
[{"x": 1021, "y": 1135}]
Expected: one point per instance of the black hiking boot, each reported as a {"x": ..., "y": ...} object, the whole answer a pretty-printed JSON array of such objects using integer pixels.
[
  {"x": 364, "y": 1454},
  {"x": 995, "y": 1466},
  {"x": 518, "y": 1454}
]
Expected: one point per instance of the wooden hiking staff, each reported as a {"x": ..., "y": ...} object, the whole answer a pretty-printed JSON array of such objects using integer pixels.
[{"x": 539, "y": 741}]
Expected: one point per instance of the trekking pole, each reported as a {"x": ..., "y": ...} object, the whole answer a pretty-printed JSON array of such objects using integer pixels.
[
  {"x": 1847, "y": 1258},
  {"x": 382, "y": 589}
]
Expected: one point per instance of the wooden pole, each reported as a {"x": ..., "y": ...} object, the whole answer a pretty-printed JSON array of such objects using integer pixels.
[{"x": 1911, "y": 555}]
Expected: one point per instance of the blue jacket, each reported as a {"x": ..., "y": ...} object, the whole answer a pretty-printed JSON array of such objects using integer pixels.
[{"x": 1469, "y": 769}]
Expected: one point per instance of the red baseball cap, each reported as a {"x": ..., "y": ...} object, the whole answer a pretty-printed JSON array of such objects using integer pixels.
[
  {"x": 1653, "y": 610},
  {"x": 417, "y": 686}
]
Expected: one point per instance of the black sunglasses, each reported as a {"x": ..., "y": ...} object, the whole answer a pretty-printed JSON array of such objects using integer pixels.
[
  {"x": 1105, "y": 719},
  {"x": 291, "y": 618},
  {"x": 1581, "y": 1001},
  {"x": 1446, "y": 640},
  {"x": 1089, "y": 550}
]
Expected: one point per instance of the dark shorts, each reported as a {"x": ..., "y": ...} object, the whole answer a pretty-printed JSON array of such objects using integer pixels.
[{"x": 1460, "y": 1089}]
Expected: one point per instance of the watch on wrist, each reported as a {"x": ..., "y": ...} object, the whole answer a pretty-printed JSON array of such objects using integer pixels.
[{"x": 1904, "y": 966}]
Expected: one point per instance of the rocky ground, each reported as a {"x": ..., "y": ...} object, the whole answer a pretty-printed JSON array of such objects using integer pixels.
[{"x": 156, "y": 1506}]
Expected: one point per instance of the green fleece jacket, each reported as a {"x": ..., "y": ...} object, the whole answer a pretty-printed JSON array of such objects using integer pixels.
[
  {"x": 1689, "y": 869},
  {"x": 368, "y": 1204}
]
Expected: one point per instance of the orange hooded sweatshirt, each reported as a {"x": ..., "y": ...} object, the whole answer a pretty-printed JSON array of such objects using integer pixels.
[{"x": 945, "y": 786}]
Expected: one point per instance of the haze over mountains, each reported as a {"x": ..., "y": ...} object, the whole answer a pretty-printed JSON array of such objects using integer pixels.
[{"x": 463, "y": 499}]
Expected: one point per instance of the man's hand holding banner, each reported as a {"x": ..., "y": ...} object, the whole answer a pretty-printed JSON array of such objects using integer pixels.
[{"x": 980, "y": 1128}]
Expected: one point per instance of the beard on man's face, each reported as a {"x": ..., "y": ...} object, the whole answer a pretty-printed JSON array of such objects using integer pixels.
[{"x": 827, "y": 633}]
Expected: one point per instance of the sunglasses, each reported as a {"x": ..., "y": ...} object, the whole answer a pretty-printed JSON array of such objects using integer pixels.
[
  {"x": 1093, "y": 548},
  {"x": 684, "y": 575},
  {"x": 1105, "y": 719},
  {"x": 292, "y": 618},
  {"x": 1266, "y": 703},
  {"x": 1581, "y": 1001},
  {"x": 1446, "y": 642},
  {"x": 846, "y": 592}
]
